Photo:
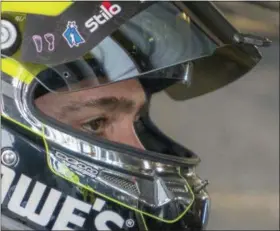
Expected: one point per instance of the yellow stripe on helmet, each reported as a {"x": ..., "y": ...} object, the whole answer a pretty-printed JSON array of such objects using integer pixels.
[
  {"x": 20, "y": 71},
  {"x": 49, "y": 8}
]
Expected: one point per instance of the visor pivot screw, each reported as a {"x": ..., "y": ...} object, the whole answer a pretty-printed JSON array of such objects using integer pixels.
[
  {"x": 9, "y": 158},
  {"x": 9, "y": 37},
  {"x": 201, "y": 186}
]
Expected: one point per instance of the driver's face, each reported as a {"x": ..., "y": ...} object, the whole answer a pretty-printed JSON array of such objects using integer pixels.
[{"x": 108, "y": 111}]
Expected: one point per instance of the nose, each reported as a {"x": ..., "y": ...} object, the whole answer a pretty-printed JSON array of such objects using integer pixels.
[{"x": 124, "y": 133}]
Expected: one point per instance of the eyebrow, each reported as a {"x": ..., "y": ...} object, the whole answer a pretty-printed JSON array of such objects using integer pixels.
[{"x": 105, "y": 103}]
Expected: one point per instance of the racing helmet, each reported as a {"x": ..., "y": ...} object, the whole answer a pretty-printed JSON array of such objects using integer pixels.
[{"x": 57, "y": 177}]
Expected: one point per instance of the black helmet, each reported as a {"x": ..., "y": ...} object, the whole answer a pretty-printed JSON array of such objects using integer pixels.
[{"x": 55, "y": 176}]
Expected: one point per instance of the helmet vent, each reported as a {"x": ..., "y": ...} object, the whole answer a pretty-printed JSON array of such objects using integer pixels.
[
  {"x": 120, "y": 182},
  {"x": 176, "y": 188}
]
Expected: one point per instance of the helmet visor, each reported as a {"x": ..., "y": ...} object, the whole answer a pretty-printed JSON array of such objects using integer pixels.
[{"x": 148, "y": 45}]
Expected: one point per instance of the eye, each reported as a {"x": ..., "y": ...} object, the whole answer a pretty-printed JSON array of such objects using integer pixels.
[{"x": 95, "y": 126}]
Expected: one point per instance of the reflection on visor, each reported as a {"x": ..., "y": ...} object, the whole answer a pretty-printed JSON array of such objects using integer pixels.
[
  {"x": 226, "y": 65},
  {"x": 193, "y": 77},
  {"x": 158, "y": 37},
  {"x": 68, "y": 77}
]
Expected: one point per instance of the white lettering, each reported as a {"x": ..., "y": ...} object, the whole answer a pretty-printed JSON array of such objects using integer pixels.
[
  {"x": 6, "y": 180},
  {"x": 19, "y": 18},
  {"x": 102, "y": 218},
  {"x": 98, "y": 18},
  {"x": 115, "y": 9},
  {"x": 91, "y": 24},
  {"x": 33, "y": 201},
  {"x": 103, "y": 16},
  {"x": 98, "y": 205},
  {"x": 106, "y": 11},
  {"x": 66, "y": 214}
]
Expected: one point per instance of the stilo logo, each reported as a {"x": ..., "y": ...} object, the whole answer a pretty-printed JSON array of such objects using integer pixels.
[{"x": 107, "y": 12}]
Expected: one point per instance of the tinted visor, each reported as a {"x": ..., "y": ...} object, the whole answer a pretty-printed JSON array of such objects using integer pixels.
[
  {"x": 148, "y": 46},
  {"x": 224, "y": 66}
]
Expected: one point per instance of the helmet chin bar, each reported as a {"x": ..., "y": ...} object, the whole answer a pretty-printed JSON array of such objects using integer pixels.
[
  {"x": 161, "y": 191},
  {"x": 154, "y": 188}
]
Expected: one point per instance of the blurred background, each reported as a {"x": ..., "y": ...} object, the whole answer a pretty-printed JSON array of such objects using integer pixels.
[{"x": 235, "y": 130}]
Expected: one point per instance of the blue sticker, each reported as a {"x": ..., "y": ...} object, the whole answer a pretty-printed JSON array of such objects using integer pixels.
[{"x": 72, "y": 35}]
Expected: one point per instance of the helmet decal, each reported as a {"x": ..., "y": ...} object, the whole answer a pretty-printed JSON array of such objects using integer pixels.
[
  {"x": 72, "y": 35},
  {"x": 76, "y": 29},
  {"x": 107, "y": 12},
  {"x": 38, "y": 42}
]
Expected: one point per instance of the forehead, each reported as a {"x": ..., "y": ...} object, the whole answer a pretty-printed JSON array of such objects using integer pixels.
[{"x": 128, "y": 89}]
